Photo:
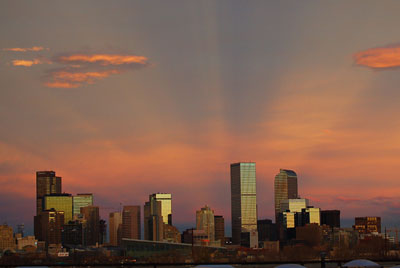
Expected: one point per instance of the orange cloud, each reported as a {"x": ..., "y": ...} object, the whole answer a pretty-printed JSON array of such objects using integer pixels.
[
  {"x": 26, "y": 63},
  {"x": 379, "y": 58},
  {"x": 104, "y": 59},
  {"x": 57, "y": 84},
  {"x": 19, "y": 49},
  {"x": 66, "y": 79}
]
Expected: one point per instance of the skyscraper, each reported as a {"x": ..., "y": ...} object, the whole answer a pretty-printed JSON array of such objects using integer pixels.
[
  {"x": 80, "y": 201},
  {"x": 166, "y": 205},
  {"x": 115, "y": 225},
  {"x": 285, "y": 187},
  {"x": 50, "y": 223},
  {"x": 91, "y": 214},
  {"x": 244, "y": 204},
  {"x": 46, "y": 183},
  {"x": 131, "y": 222},
  {"x": 205, "y": 221},
  {"x": 153, "y": 220}
]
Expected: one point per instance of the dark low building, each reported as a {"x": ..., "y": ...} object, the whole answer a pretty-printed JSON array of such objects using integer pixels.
[
  {"x": 267, "y": 230},
  {"x": 73, "y": 233},
  {"x": 330, "y": 218},
  {"x": 367, "y": 225}
]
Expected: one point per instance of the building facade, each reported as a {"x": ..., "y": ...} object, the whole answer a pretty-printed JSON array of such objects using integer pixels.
[
  {"x": 244, "y": 204},
  {"x": 115, "y": 228},
  {"x": 219, "y": 224},
  {"x": 205, "y": 221},
  {"x": 46, "y": 183},
  {"x": 51, "y": 222},
  {"x": 92, "y": 230},
  {"x": 285, "y": 187},
  {"x": 367, "y": 225},
  {"x": 131, "y": 222},
  {"x": 80, "y": 201},
  {"x": 166, "y": 205},
  {"x": 330, "y": 218},
  {"x": 59, "y": 202},
  {"x": 7, "y": 240},
  {"x": 153, "y": 221}
]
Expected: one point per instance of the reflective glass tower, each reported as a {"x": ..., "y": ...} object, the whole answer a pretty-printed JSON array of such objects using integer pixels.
[
  {"x": 285, "y": 187},
  {"x": 46, "y": 183},
  {"x": 81, "y": 201},
  {"x": 244, "y": 204}
]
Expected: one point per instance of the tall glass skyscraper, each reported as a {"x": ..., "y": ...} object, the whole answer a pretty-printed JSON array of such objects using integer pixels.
[
  {"x": 285, "y": 187},
  {"x": 46, "y": 183},
  {"x": 244, "y": 204}
]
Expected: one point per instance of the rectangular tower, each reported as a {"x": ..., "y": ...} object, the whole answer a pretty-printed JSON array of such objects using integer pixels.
[
  {"x": 244, "y": 204},
  {"x": 115, "y": 225},
  {"x": 285, "y": 187},
  {"x": 46, "y": 183},
  {"x": 131, "y": 222}
]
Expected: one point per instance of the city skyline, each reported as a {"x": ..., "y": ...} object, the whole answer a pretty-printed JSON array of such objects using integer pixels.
[{"x": 162, "y": 98}]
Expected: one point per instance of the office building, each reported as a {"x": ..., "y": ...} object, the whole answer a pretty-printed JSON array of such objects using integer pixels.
[
  {"x": 51, "y": 223},
  {"x": 59, "y": 202},
  {"x": 310, "y": 215},
  {"x": 46, "y": 183},
  {"x": 330, "y": 218},
  {"x": 285, "y": 187},
  {"x": 73, "y": 233},
  {"x": 171, "y": 234},
  {"x": 153, "y": 220},
  {"x": 80, "y": 201},
  {"x": 131, "y": 222},
  {"x": 205, "y": 221},
  {"x": 367, "y": 225},
  {"x": 7, "y": 240},
  {"x": 266, "y": 230},
  {"x": 166, "y": 205},
  {"x": 115, "y": 227},
  {"x": 294, "y": 205},
  {"x": 92, "y": 233},
  {"x": 219, "y": 224},
  {"x": 244, "y": 204},
  {"x": 102, "y": 232}
]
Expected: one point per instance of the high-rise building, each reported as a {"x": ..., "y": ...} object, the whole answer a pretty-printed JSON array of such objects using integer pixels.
[
  {"x": 367, "y": 225},
  {"x": 51, "y": 223},
  {"x": 219, "y": 229},
  {"x": 166, "y": 205},
  {"x": 7, "y": 240},
  {"x": 205, "y": 221},
  {"x": 80, "y": 201},
  {"x": 285, "y": 187},
  {"x": 131, "y": 222},
  {"x": 115, "y": 227},
  {"x": 102, "y": 231},
  {"x": 46, "y": 183},
  {"x": 153, "y": 220},
  {"x": 73, "y": 233},
  {"x": 330, "y": 218},
  {"x": 59, "y": 202},
  {"x": 171, "y": 234},
  {"x": 244, "y": 204},
  {"x": 92, "y": 233}
]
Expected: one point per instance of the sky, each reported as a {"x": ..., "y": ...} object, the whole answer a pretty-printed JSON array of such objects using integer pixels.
[{"x": 128, "y": 98}]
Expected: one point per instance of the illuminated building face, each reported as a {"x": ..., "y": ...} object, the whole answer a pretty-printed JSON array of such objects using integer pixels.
[
  {"x": 61, "y": 203},
  {"x": 285, "y": 187},
  {"x": 166, "y": 206},
  {"x": 243, "y": 199}
]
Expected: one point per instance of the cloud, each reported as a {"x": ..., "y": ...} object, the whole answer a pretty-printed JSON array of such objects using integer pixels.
[
  {"x": 379, "y": 58},
  {"x": 19, "y": 49},
  {"x": 81, "y": 68},
  {"x": 103, "y": 59},
  {"x": 69, "y": 79},
  {"x": 26, "y": 63}
]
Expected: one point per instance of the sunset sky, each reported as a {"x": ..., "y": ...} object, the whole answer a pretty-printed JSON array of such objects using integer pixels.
[{"x": 128, "y": 98}]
